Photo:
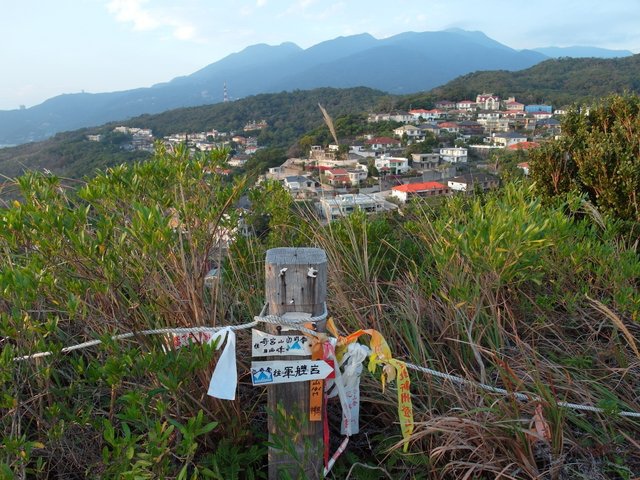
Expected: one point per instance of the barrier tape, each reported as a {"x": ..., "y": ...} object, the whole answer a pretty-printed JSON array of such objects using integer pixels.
[{"x": 276, "y": 320}]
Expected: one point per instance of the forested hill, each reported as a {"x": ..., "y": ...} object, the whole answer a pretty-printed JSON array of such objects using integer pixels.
[
  {"x": 559, "y": 82},
  {"x": 288, "y": 114}
]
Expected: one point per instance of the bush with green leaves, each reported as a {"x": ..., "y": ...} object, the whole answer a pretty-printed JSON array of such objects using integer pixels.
[
  {"x": 598, "y": 155},
  {"x": 127, "y": 251},
  {"x": 528, "y": 295}
]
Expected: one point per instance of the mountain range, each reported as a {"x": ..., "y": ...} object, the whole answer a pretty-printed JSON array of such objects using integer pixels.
[{"x": 405, "y": 63}]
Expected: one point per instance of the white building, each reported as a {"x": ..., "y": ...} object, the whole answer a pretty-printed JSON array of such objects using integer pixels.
[
  {"x": 358, "y": 175},
  {"x": 342, "y": 205},
  {"x": 454, "y": 154},
  {"x": 507, "y": 139},
  {"x": 468, "y": 182},
  {"x": 395, "y": 165},
  {"x": 408, "y": 191},
  {"x": 413, "y": 134}
]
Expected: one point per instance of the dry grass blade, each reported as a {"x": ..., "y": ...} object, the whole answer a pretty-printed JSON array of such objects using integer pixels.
[
  {"x": 329, "y": 123},
  {"x": 611, "y": 315}
]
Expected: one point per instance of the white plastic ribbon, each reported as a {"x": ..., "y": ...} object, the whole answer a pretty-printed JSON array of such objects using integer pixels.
[
  {"x": 225, "y": 376},
  {"x": 347, "y": 387}
]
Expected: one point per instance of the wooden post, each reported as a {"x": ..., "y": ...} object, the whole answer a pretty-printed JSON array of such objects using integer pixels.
[{"x": 296, "y": 281}]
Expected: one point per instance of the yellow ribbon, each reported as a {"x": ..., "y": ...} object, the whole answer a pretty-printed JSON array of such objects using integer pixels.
[{"x": 392, "y": 369}]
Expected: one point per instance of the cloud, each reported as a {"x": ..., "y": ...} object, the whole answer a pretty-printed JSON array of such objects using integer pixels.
[
  {"x": 145, "y": 18},
  {"x": 132, "y": 11},
  {"x": 261, "y": 3}
]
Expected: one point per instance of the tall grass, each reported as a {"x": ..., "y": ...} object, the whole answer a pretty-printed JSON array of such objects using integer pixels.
[{"x": 498, "y": 288}]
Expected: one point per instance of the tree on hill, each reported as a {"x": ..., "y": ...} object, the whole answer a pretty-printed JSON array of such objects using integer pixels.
[{"x": 598, "y": 155}]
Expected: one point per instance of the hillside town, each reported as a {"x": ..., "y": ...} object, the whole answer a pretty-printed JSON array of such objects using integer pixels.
[{"x": 375, "y": 173}]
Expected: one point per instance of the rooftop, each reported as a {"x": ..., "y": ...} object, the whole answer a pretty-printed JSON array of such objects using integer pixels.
[
  {"x": 419, "y": 187},
  {"x": 523, "y": 146}
]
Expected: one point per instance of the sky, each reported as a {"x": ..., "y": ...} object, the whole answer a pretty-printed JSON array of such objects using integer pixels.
[{"x": 52, "y": 47}]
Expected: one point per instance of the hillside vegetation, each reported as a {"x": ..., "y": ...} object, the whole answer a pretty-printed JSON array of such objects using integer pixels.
[
  {"x": 531, "y": 296},
  {"x": 289, "y": 115},
  {"x": 559, "y": 82}
]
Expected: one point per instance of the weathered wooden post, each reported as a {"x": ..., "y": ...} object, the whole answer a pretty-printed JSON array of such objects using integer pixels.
[{"x": 296, "y": 281}]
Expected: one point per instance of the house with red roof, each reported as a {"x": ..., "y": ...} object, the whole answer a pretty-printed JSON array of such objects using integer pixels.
[
  {"x": 448, "y": 127},
  {"x": 488, "y": 101},
  {"x": 338, "y": 177},
  {"x": 523, "y": 146},
  {"x": 525, "y": 167},
  {"x": 409, "y": 191},
  {"x": 514, "y": 106},
  {"x": 382, "y": 143},
  {"x": 418, "y": 113}
]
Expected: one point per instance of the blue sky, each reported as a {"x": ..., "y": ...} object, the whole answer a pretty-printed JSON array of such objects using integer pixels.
[{"x": 65, "y": 46}]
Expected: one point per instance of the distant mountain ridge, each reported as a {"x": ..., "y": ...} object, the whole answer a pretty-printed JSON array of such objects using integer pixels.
[
  {"x": 582, "y": 52},
  {"x": 404, "y": 63}
]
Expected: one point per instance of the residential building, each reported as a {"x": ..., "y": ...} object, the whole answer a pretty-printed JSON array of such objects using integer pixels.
[
  {"x": 454, "y": 154},
  {"x": 493, "y": 123},
  {"x": 523, "y": 146},
  {"x": 538, "y": 108},
  {"x": 298, "y": 182},
  {"x": 253, "y": 125},
  {"x": 507, "y": 139},
  {"x": 413, "y": 134},
  {"x": 488, "y": 101},
  {"x": 512, "y": 106},
  {"x": 435, "y": 114},
  {"x": 393, "y": 165},
  {"x": 448, "y": 127},
  {"x": 338, "y": 177},
  {"x": 342, "y": 205},
  {"x": 541, "y": 115},
  {"x": 238, "y": 160},
  {"x": 425, "y": 160},
  {"x": 445, "y": 104},
  {"x": 319, "y": 153},
  {"x": 358, "y": 175},
  {"x": 402, "y": 117},
  {"x": 470, "y": 181},
  {"x": 418, "y": 113},
  {"x": 461, "y": 114},
  {"x": 410, "y": 191},
  {"x": 382, "y": 143},
  {"x": 429, "y": 128},
  {"x": 466, "y": 105},
  {"x": 470, "y": 128}
]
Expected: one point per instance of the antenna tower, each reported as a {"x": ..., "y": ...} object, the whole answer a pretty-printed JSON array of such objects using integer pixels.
[{"x": 225, "y": 97}]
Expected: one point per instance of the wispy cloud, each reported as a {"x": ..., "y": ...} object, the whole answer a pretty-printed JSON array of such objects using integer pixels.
[{"x": 143, "y": 17}]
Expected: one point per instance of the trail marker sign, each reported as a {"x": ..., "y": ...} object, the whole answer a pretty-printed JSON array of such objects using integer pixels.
[
  {"x": 264, "y": 344},
  {"x": 288, "y": 371}
]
